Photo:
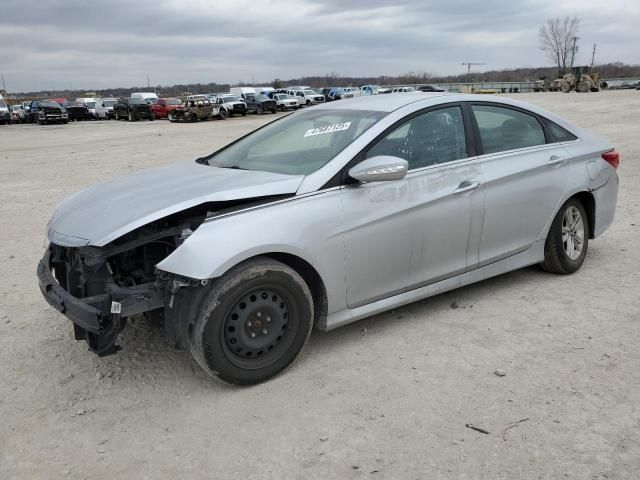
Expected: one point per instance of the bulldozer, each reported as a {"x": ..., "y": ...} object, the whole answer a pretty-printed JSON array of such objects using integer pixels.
[
  {"x": 544, "y": 84},
  {"x": 581, "y": 79}
]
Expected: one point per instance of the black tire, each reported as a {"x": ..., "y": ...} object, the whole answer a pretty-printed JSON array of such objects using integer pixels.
[
  {"x": 261, "y": 295},
  {"x": 308, "y": 103},
  {"x": 259, "y": 110},
  {"x": 244, "y": 114},
  {"x": 556, "y": 257},
  {"x": 222, "y": 114},
  {"x": 274, "y": 110},
  {"x": 152, "y": 117}
]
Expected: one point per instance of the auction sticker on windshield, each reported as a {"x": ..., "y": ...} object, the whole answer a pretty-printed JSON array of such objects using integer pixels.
[{"x": 337, "y": 127}]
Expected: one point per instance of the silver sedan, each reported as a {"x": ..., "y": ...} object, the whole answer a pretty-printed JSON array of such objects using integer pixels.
[{"x": 323, "y": 217}]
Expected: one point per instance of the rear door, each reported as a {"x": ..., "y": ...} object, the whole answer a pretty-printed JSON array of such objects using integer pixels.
[
  {"x": 404, "y": 234},
  {"x": 525, "y": 176}
]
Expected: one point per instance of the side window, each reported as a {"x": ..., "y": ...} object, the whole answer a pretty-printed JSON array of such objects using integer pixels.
[
  {"x": 427, "y": 139},
  {"x": 559, "y": 134},
  {"x": 503, "y": 129}
]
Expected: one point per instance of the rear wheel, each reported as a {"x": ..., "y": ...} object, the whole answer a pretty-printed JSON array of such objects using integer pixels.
[
  {"x": 566, "y": 246},
  {"x": 584, "y": 86},
  {"x": 253, "y": 322}
]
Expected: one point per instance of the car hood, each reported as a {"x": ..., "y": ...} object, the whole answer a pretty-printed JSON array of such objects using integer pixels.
[{"x": 104, "y": 212}]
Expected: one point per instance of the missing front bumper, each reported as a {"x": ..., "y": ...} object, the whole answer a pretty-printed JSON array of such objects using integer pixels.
[{"x": 98, "y": 319}]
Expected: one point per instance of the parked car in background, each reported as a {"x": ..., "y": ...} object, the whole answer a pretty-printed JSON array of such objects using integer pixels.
[
  {"x": 163, "y": 106},
  {"x": 17, "y": 114},
  {"x": 324, "y": 217},
  {"x": 307, "y": 97},
  {"x": 374, "y": 90},
  {"x": 45, "y": 111},
  {"x": 230, "y": 103},
  {"x": 150, "y": 97},
  {"x": 258, "y": 103},
  {"x": 430, "y": 88},
  {"x": 96, "y": 107},
  {"x": 335, "y": 93},
  {"x": 402, "y": 89},
  {"x": 26, "y": 105},
  {"x": 284, "y": 101},
  {"x": 77, "y": 111},
  {"x": 353, "y": 92},
  {"x": 194, "y": 110},
  {"x": 133, "y": 109},
  {"x": 108, "y": 103},
  {"x": 5, "y": 114},
  {"x": 242, "y": 91}
]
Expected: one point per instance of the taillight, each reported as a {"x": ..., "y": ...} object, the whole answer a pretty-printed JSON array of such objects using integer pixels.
[{"x": 612, "y": 158}]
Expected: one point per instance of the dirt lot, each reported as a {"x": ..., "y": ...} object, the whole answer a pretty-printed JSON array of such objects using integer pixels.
[{"x": 387, "y": 397}]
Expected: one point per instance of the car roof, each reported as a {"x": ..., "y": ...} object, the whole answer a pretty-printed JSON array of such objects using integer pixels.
[{"x": 387, "y": 102}]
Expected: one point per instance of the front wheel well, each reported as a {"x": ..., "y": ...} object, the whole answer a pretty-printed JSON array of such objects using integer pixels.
[
  {"x": 312, "y": 279},
  {"x": 589, "y": 204}
]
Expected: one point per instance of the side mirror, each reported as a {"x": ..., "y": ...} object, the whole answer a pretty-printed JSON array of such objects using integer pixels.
[{"x": 382, "y": 168}]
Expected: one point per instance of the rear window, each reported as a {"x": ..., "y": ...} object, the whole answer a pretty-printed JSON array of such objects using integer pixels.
[{"x": 503, "y": 129}]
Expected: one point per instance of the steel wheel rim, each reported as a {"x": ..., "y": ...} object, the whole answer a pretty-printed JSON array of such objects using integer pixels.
[
  {"x": 264, "y": 309},
  {"x": 572, "y": 233}
]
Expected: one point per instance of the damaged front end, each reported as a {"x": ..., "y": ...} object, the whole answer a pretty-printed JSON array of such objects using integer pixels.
[{"x": 99, "y": 287}]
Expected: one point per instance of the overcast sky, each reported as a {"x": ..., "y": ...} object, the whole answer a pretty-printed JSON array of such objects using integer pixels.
[{"x": 51, "y": 44}]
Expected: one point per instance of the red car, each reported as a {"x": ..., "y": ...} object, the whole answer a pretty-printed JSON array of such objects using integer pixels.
[{"x": 164, "y": 105}]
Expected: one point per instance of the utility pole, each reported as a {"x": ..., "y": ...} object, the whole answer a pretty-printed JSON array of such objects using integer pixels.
[
  {"x": 468, "y": 64},
  {"x": 4, "y": 87},
  {"x": 573, "y": 50},
  {"x": 148, "y": 83},
  {"x": 593, "y": 54}
]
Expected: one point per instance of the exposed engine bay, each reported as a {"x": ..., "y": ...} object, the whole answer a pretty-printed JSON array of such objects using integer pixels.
[{"x": 99, "y": 287}]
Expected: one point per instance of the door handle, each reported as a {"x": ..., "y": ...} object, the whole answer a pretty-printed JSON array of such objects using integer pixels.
[
  {"x": 466, "y": 186},
  {"x": 555, "y": 160}
]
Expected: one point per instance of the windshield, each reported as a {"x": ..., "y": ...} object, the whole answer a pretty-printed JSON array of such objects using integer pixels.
[
  {"x": 174, "y": 101},
  {"x": 137, "y": 101},
  {"x": 109, "y": 103},
  {"x": 50, "y": 104},
  {"x": 90, "y": 104},
  {"x": 230, "y": 99},
  {"x": 310, "y": 92},
  {"x": 3, "y": 104},
  {"x": 298, "y": 144}
]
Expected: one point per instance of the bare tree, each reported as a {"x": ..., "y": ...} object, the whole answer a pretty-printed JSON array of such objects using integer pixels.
[{"x": 558, "y": 39}]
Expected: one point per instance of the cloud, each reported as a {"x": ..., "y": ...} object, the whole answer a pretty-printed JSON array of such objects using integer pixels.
[{"x": 59, "y": 43}]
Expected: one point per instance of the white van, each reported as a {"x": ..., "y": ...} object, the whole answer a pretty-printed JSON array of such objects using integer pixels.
[
  {"x": 150, "y": 97},
  {"x": 242, "y": 91},
  {"x": 96, "y": 107}
]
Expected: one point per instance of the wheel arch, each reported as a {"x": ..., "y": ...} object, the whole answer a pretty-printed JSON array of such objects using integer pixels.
[
  {"x": 309, "y": 274},
  {"x": 589, "y": 203}
]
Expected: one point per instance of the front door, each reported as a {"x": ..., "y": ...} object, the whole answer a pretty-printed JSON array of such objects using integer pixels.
[{"x": 403, "y": 234}]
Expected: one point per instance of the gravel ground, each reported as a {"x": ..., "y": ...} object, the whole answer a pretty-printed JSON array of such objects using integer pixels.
[{"x": 387, "y": 397}]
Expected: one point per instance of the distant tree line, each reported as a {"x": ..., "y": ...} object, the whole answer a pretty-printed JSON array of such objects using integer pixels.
[{"x": 609, "y": 70}]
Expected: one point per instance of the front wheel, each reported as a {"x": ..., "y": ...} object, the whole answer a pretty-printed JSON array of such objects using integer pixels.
[
  {"x": 253, "y": 322},
  {"x": 566, "y": 246},
  {"x": 259, "y": 110},
  {"x": 222, "y": 114}
]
